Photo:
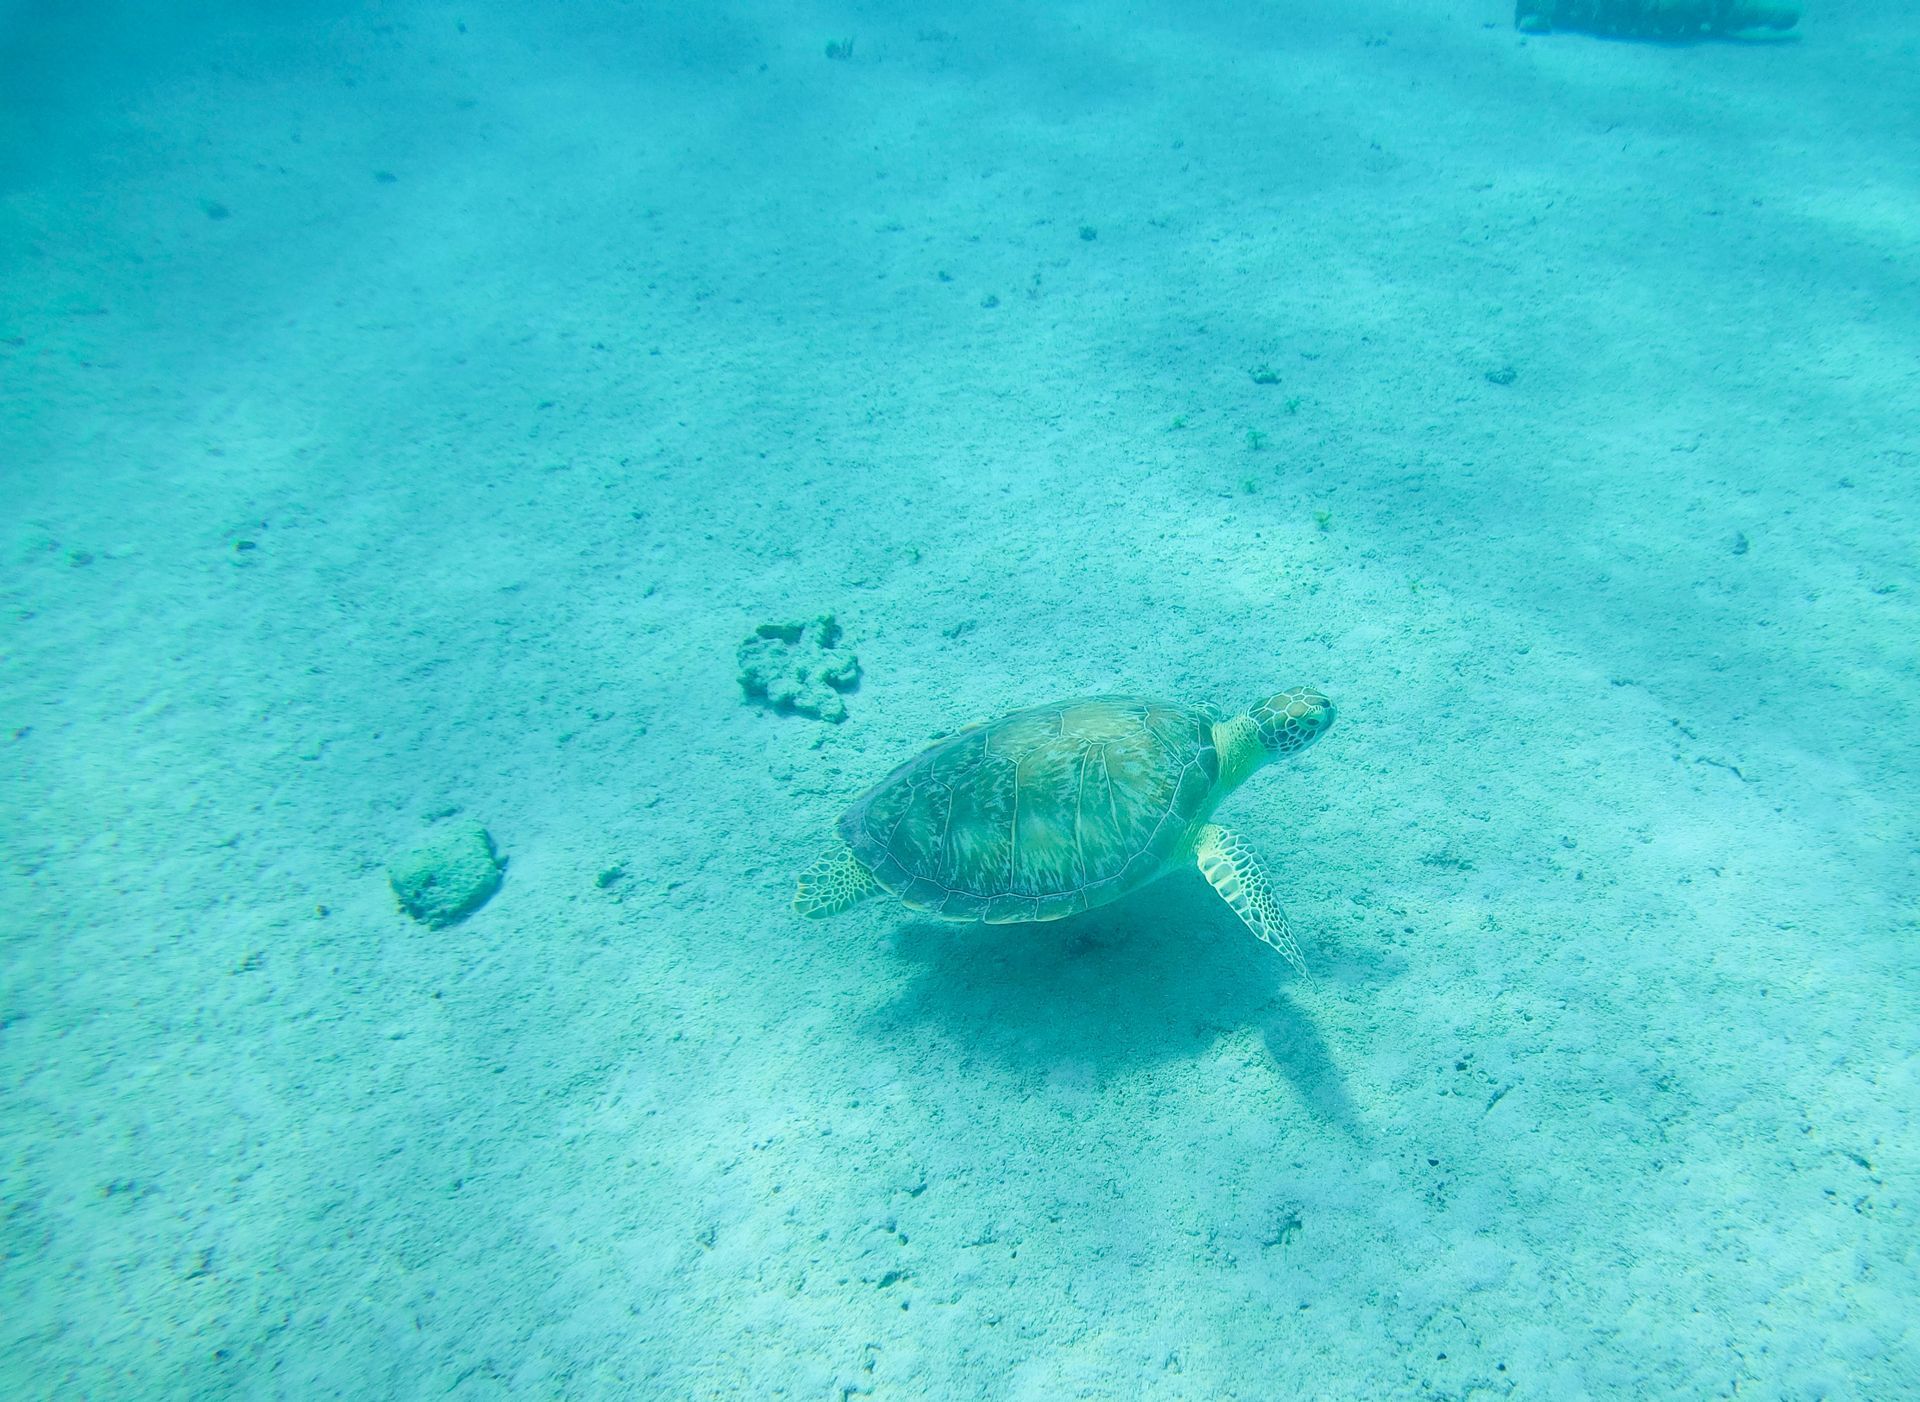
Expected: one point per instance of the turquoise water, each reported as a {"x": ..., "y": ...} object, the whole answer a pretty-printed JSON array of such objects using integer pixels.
[{"x": 407, "y": 410}]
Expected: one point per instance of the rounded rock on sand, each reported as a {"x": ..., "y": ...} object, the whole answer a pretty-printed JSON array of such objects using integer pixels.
[{"x": 449, "y": 875}]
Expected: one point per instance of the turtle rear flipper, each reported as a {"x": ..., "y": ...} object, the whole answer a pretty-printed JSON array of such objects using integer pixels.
[
  {"x": 833, "y": 883},
  {"x": 1229, "y": 862}
]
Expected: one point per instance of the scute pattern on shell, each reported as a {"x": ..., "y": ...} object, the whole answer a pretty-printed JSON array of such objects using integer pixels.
[{"x": 1042, "y": 813}]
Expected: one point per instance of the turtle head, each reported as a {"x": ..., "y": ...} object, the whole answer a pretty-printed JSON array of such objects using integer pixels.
[{"x": 1291, "y": 720}]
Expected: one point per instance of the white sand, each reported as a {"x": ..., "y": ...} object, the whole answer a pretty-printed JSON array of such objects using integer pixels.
[{"x": 1605, "y": 1083}]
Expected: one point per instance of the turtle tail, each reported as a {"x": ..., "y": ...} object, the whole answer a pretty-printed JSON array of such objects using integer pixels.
[{"x": 833, "y": 883}]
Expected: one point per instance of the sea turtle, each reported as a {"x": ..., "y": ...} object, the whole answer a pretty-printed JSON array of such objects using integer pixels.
[{"x": 1056, "y": 809}]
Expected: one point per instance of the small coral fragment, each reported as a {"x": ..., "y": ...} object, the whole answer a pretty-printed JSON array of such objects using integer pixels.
[
  {"x": 799, "y": 668},
  {"x": 448, "y": 876}
]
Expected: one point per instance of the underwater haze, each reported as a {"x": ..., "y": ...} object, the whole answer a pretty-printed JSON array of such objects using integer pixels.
[{"x": 484, "y": 487}]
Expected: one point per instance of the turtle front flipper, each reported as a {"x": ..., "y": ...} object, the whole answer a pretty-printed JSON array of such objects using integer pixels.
[
  {"x": 1230, "y": 864},
  {"x": 832, "y": 884}
]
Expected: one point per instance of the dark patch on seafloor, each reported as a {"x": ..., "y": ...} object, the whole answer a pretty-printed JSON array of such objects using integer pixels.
[{"x": 1159, "y": 976}]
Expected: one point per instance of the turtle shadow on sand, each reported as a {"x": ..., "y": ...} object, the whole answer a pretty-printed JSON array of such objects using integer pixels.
[
  {"x": 1303, "y": 1058},
  {"x": 1158, "y": 977}
]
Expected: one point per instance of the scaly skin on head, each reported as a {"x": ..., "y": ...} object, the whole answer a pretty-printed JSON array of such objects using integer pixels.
[{"x": 1283, "y": 724}]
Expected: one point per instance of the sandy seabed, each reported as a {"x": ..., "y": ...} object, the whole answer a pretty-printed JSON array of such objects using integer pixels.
[{"x": 407, "y": 408}]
